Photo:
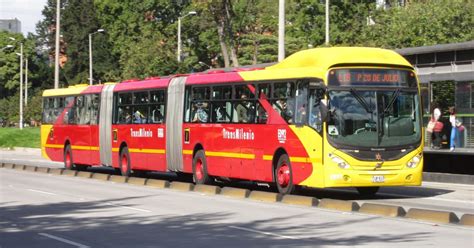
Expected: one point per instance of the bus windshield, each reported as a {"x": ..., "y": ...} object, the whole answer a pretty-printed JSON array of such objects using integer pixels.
[{"x": 374, "y": 118}]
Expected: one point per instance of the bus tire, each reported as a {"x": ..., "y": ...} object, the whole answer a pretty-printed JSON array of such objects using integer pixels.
[
  {"x": 367, "y": 191},
  {"x": 68, "y": 161},
  {"x": 124, "y": 162},
  {"x": 284, "y": 176},
  {"x": 200, "y": 175}
]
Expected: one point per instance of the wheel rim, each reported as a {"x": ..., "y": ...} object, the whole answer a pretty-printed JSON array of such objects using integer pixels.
[
  {"x": 283, "y": 175},
  {"x": 124, "y": 164},
  {"x": 199, "y": 169},
  {"x": 68, "y": 160}
]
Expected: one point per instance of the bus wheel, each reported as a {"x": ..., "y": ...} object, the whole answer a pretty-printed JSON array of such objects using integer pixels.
[
  {"x": 367, "y": 191},
  {"x": 200, "y": 175},
  {"x": 284, "y": 176},
  {"x": 124, "y": 162},
  {"x": 68, "y": 162}
]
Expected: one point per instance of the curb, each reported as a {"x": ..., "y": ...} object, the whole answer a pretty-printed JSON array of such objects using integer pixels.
[
  {"x": 300, "y": 200},
  {"x": 384, "y": 210},
  {"x": 264, "y": 196},
  {"x": 207, "y": 189},
  {"x": 467, "y": 220},
  {"x": 155, "y": 183},
  {"x": 432, "y": 215},
  {"x": 181, "y": 186},
  {"x": 448, "y": 178},
  {"x": 100, "y": 176},
  {"x": 235, "y": 192},
  {"x": 118, "y": 179},
  {"x": 136, "y": 181},
  {"x": 345, "y": 206}
]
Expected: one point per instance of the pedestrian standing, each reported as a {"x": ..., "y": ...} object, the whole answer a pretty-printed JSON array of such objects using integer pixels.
[
  {"x": 454, "y": 130},
  {"x": 438, "y": 127}
]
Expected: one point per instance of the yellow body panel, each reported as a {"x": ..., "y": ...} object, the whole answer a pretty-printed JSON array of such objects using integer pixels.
[
  {"x": 71, "y": 90},
  {"x": 45, "y": 129}
]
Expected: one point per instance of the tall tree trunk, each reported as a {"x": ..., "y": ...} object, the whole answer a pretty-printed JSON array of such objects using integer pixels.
[
  {"x": 255, "y": 50},
  {"x": 227, "y": 9},
  {"x": 220, "y": 34}
]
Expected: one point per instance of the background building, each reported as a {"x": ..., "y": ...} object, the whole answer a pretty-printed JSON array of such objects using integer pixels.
[{"x": 10, "y": 25}]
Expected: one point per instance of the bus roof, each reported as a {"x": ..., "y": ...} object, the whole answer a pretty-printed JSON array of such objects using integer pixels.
[
  {"x": 71, "y": 90},
  {"x": 322, "y": 59}
]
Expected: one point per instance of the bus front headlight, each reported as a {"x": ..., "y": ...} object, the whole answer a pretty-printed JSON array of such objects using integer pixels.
[
  {"x": 413, "y": 163},
  {"x": 339, "y": 161}
]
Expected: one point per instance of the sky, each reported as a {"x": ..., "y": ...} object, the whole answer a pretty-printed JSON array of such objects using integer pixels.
[{"x": 27, "y": 11}]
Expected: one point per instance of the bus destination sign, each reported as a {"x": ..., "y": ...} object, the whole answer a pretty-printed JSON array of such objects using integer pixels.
[{"x": 371, "y": 77}]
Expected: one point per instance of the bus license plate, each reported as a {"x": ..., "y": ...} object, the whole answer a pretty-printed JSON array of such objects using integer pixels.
[{"x": 378, "y": 179}]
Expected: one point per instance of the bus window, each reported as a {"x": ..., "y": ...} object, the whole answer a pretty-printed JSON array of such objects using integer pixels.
[
  {"x": 264, "y": 91},
  {"x": 201, "y": 93},
  {"x": 157, "y": 96},
  {"x": 157, "y": 113},
  {"x": 69, "y": 110},
  {"x": 284, "y": 101},
  {"x": 302, "y": 103},
  {"x": 140, "y": 114},
  {"x": 241, "y": 90},
  {"x": 140, "y": 97},
  {"x": 124, "y": 115},
  {"x": 125, "y": 98},
  {"x": 94, "y": 109},
  {"x": 221, "y": 111},
  {"x": 261, "y": 115}
]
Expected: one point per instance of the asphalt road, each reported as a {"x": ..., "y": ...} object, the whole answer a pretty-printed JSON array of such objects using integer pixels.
[
  {"x": 457, "y": 198},
  {"x": 44, "y": 210}
]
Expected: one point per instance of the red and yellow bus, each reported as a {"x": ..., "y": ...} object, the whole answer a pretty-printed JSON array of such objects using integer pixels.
[{"x": 324, "y": 117}]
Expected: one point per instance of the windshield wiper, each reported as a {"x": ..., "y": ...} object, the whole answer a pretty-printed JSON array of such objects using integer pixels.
[
  {"x": 361, "y": 101},
  {"x": 394, "y": 97}
]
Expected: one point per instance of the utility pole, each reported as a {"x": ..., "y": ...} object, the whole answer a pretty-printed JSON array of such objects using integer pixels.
[
  {"x": 26, "y": 82},
  {"x": 281, "y": 30},
  {"x": 56, "y": 55},
  {"x": 21, "y": 86}
]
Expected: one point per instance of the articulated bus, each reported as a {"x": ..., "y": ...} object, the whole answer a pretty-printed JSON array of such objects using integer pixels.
[{"x": 324, "y": 117}]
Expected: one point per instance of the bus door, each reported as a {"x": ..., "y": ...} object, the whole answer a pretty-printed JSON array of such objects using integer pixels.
[
  {"x": 174, "y": 124},
  {"x": 80, "y": 133}
]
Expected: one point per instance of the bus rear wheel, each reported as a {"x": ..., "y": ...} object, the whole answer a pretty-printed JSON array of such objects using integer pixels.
[
  {"x": 68, "y": 161},
  {"x": 124, "y": 162},
  {"x": 284, "y": 176},
  {"x": 367, "y": 191},
  {"x": 200, "y": 175}
]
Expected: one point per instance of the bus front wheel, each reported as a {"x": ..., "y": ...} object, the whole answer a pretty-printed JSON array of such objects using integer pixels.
[
  {"x": 124, "y": 162},
  {"x": 284, "y": 176},
  {"x": 200, "y": 175}
]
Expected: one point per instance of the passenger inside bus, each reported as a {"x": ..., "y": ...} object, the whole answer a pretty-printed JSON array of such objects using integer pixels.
[
  {"x": 138, "y": 117},
  {"x": 200, "y": 112},
  {"x": 156, "y": 115},
  {"x": 242, "y": 109}
]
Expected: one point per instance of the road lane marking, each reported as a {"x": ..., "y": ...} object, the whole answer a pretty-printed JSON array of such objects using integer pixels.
[
  {"x": 266, "y": 233},
  {"x": 131, "y": 208},
  {"x": 63, "y": 240},
  {"x": 42, "y": 192}
]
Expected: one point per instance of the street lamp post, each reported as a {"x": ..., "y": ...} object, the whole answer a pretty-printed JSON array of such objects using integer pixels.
[
  {"x": 56, "y": 48},
  {"x": 90, "y": 53},
  {"x": 327, "y": 22},
  {"x": 179, "y": 33}
]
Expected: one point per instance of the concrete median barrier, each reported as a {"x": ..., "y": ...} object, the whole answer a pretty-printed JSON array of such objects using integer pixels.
[
  {"x": 8, "y": 165},
  {"x": 207, "y": 189},
  {"x": 56, "y": 171},
  {"x": 30, "y": 168},
  {"x": 264, "y": 196},
  {"x": 155, "y": 183},
  {"x": 235, "y": 192},
  {"x": 467, "y": 220},
  {"x": 300, "y": 200},
  {"x": 380, "y": 209},
  {"x": 117, "y": 179},
  {"x": 432, "y": 215},
  {"x": 71, "y": 173},
  {"x": 181, "y": 186},
  {"x": 136, "y": 181},
  {"x": 100, "y": 176},
  {"x": 346, "y": 206},
  {"x": 84, "y": 174},
  {"x": 42, "y": 169},
  {"x": 19, "y": 167}
]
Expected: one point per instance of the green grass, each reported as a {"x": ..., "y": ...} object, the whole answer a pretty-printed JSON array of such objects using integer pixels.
[{"x": 14, "y": 137}]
